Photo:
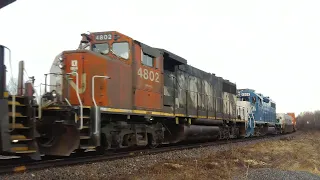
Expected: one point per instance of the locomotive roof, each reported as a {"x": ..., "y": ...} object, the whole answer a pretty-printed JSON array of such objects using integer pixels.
[
  {"x": 156, "y": 52},
  {"x": 148, "y": 49},
  {"x": 173, "y": 56},
  {"x": 260, "y": 95},
  {"x": 5, "y": 3}
]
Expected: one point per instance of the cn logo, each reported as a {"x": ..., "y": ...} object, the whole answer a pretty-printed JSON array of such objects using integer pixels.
[{"x": 82, "y": 84}]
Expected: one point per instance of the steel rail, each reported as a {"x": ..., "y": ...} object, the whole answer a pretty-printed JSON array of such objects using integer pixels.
[{"x": 37, "y": 165}]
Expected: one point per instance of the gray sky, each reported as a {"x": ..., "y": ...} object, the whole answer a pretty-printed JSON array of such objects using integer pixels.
[{"x": 270, "y": 46}]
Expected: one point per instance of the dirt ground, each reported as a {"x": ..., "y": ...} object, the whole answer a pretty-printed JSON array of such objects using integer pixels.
[{"x": 300, "y": 153}]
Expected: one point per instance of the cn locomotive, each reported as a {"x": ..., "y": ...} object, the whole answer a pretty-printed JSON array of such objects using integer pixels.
[{"x": 115, "y": 92}]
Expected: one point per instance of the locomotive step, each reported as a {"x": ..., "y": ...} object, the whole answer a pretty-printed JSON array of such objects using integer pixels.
[
  {"x": 15, "y": 103},
  {"x": 87, "y": 147},
  {"x": 6, "y": 94},
  {"x": 17, "y": 114},
  {"x": 18, "y": 126},
  {"x": 84, "y": 137},
  {"x": 84, "y": 117},
  {"x": 22, "y": 150},
  {"x": 20, "y": 138}
]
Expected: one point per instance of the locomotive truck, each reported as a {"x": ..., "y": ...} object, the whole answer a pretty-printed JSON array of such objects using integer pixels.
[{"x": 115, "y": 92}]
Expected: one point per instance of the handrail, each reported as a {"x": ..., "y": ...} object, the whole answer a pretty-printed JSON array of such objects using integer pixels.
[
  {"x": 94, "y": 101},
  {"x": 13, "y": 112},
  {"x": 45, "y": 90},
  {"x": 79, "y": 99},
  {"x": 40, "y": 104}
]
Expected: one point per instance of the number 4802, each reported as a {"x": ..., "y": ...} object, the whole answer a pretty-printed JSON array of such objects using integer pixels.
[{"x": 148, "y": 75}]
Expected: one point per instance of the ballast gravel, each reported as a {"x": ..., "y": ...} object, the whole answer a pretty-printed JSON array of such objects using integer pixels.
[
  {"x": 115, "y": 168},
  {"x": 275, "y": 174}
]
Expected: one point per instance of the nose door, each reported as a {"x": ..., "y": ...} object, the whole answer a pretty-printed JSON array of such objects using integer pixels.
[{"x": 76, "y": 85}]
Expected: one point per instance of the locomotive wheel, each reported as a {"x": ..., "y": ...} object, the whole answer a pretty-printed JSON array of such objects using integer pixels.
[{"x": 151, "y": 142}]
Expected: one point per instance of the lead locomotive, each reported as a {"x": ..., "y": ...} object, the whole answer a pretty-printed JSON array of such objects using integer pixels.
[{"x": 116, "y": 92}]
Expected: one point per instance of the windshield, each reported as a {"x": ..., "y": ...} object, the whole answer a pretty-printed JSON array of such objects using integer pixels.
[
  {"x": 101, "y": 48},
  {"x": 121, "y": 49}
]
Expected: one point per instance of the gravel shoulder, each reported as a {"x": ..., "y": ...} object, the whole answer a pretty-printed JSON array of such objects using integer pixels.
[
  {"x": 275, "y": 174},
  {"x": 249, "y": 160}
]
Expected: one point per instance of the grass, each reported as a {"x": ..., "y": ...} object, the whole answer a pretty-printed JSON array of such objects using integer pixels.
[{"x": 301, "y": 153}]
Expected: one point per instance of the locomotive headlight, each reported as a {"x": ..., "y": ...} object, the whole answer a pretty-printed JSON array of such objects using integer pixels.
[
  {"x": 54, "y": 93},
  {"x": 61, "y": 65},
  {"x": 60, "y": 62}
]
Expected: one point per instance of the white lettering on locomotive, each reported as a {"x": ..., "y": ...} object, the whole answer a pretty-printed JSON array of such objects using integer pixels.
[
  {"x": 245, "y": 94},
  {"x": 148, "y": 75},
  {"x": 103, "y": 37}
]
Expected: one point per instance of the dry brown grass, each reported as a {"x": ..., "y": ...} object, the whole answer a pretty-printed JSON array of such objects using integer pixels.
[{"x": 300, "y": 153}]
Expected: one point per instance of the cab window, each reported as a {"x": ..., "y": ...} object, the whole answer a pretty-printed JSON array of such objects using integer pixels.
[
  {"x": 101, "y": 48},
  {"x": 121, "y": 49},
  {"x": 147, "y": 60}
]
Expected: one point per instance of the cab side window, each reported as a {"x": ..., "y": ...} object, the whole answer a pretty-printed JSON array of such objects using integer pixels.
[{"x": 147, "y": 60}]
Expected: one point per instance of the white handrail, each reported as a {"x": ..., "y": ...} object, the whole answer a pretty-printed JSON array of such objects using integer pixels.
[
  {"x": 13, "y": 112},
  {"x": 79, "y": 99},
  {"x": 40, "y": 104},
  {"x": 94, "y": 101}
]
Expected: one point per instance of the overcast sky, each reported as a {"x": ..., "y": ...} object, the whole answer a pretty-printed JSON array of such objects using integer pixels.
[{"x": 271, "y": 46}]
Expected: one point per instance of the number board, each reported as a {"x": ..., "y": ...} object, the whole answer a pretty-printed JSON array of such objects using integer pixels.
[
  {"x": 103, "y": 37},
  {"x": 148, "y": 75},
  {"x": 245, "y": 94}
]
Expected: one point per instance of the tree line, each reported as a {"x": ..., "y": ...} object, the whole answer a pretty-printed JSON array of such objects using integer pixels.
[{"x": 308, "y": 120}]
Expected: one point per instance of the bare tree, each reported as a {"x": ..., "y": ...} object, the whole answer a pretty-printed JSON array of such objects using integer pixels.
[
  {"x": 12, "y": 85},
  {"x": 309, "y": 120}
]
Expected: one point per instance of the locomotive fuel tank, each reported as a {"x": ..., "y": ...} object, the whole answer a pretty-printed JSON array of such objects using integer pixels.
[{"x": 183, "y": 132}]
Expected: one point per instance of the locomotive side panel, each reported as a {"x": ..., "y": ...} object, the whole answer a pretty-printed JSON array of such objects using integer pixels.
[
  {"x": 193, "y": 96},
  {"x": 192, "y": 83},
  {"x": 199, "y": 94},
  {"x": 169, "y": 91},
  {"x": 109, "y": 93},
  {"x": 181, "y": 93},
  {"x": 218, "y": 97},
  {"x": 205, "y": 93},
  {"x": 118, "y": 88},
  {"x": 229, "y": 100},
  {"x": 147, "y": 78},
  {"x": 208, "y": 97}
]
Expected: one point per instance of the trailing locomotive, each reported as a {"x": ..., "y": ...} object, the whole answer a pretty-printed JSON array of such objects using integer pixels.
[
  {"x": 286, "y": 121},
  {"x": 261, "y": 112},
  {"x": 116, "y": 92}
]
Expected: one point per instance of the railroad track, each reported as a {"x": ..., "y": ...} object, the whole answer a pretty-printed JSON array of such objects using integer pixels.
[{"x": 15, "y": 166}]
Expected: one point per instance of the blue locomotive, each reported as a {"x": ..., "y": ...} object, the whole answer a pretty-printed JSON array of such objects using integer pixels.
[{"x": 260, "y": 112}]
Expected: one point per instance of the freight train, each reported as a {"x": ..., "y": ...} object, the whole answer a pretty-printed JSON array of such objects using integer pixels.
[{"x": 115, "y": 92}]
